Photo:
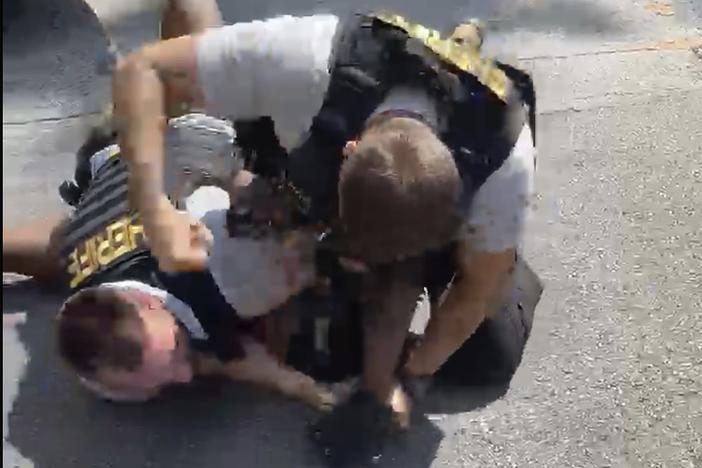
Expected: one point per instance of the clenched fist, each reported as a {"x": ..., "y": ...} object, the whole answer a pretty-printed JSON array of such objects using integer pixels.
[{"x": 178, "y": 241}]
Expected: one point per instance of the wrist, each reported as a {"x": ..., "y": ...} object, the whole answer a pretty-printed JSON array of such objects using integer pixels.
[
  {"x": 413, "y": 364},
  {"x": 415, "y": 387},
  {"x": 382, "y": 391},
  {"x": 146, "y": 194},
  {"x": 416, "y": 366},
  {"x": 157, "y": 214}
]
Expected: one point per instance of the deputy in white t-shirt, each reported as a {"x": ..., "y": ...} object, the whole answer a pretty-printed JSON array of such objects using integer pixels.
[{"x": 283, "y": 68}]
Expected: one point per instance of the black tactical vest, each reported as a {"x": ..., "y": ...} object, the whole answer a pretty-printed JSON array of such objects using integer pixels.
[
  {"x": 104, "y": 242},
  {"x": 483, "y": 103}
]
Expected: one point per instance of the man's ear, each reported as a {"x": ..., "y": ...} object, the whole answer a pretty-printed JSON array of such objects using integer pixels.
[
  {"x": 350, "y": 148},
  {"x": 142, "y": 299}
]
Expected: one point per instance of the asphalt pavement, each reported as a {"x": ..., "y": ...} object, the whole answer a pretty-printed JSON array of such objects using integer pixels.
[{"x": 613, "y": 369}]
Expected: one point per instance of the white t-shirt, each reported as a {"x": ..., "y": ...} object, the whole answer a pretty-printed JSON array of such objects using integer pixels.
[
  {"x": 280, "y": 68},
  {"x": 251, "y": 274}
]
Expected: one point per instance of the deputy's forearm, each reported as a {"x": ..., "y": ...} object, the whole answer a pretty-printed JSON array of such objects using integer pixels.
[
  {"x": 141, "y": 135},
  {"x": 448, "y": 328},
  {"x": 383, "y": 336},
  {"x": 386, "y": 321},
  {"x": 474, "y": 295},
  {"x": 138, "y": 94},
  {"x": 142, "y": 148}
]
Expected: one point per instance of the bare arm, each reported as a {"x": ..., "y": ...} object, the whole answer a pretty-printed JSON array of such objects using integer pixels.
[
  {"x": 182, "y": 18},
  {"x": 261, "y": 368},
  {"x": 386, "y": 320},
  {"x": 475, "y": 294},
  {"x": 138, "y": 94},
  {"x": 485, "y": 260},
  {"x": 237, "y": 66},
  {"x": 33, "y": 249}
]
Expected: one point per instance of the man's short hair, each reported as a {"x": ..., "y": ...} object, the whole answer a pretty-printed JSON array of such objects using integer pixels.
[
  {"x": 398, "y": 192},
  {"x": 98, "y": 328}
]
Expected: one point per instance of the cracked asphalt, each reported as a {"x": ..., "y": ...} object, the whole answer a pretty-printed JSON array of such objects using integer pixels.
[{"x": 613, "y": 370}]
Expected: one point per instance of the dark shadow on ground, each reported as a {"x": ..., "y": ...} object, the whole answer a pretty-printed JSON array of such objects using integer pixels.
[{"x": 57, "y": 424}]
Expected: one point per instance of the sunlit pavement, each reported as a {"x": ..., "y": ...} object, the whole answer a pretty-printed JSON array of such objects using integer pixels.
[{"x": 612, "y": 371}]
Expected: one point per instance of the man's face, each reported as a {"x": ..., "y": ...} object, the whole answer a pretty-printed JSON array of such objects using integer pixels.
[{"x": 166, "y": 353}]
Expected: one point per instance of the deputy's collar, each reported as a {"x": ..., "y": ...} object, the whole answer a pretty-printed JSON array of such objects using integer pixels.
[{"x": 396, "y": 113}]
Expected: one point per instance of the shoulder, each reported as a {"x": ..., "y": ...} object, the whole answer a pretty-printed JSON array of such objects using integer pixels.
[
  {"x": 292, "y": 35},
  {"x": 496, "y": 218},
  {"x": 278, "y": 67}
]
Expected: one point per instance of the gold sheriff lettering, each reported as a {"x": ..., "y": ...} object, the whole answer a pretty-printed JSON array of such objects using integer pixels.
[{"x": 119, "y": 238}]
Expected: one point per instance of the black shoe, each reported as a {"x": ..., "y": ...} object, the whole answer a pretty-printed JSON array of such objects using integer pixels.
[{"x": 354, "y": 434}]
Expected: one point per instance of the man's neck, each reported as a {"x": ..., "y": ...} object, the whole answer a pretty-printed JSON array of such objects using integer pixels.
[{"x": 410, "y": 100}]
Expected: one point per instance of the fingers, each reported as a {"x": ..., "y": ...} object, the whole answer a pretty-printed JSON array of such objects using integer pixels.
[
  {"x": 200, "y": 235},
  {"x": 399, "y": 401},
  {"x": 325, "y": 400},
  {"x": 401, "y": 407},
  {"x": 185, "y": 247}
]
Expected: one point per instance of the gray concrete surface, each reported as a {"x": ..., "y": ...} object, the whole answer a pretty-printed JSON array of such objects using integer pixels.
[{"x": 612, "y": 372}]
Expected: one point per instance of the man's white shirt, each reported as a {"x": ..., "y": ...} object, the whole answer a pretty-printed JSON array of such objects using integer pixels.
[{"x": 250, "y": 274}]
